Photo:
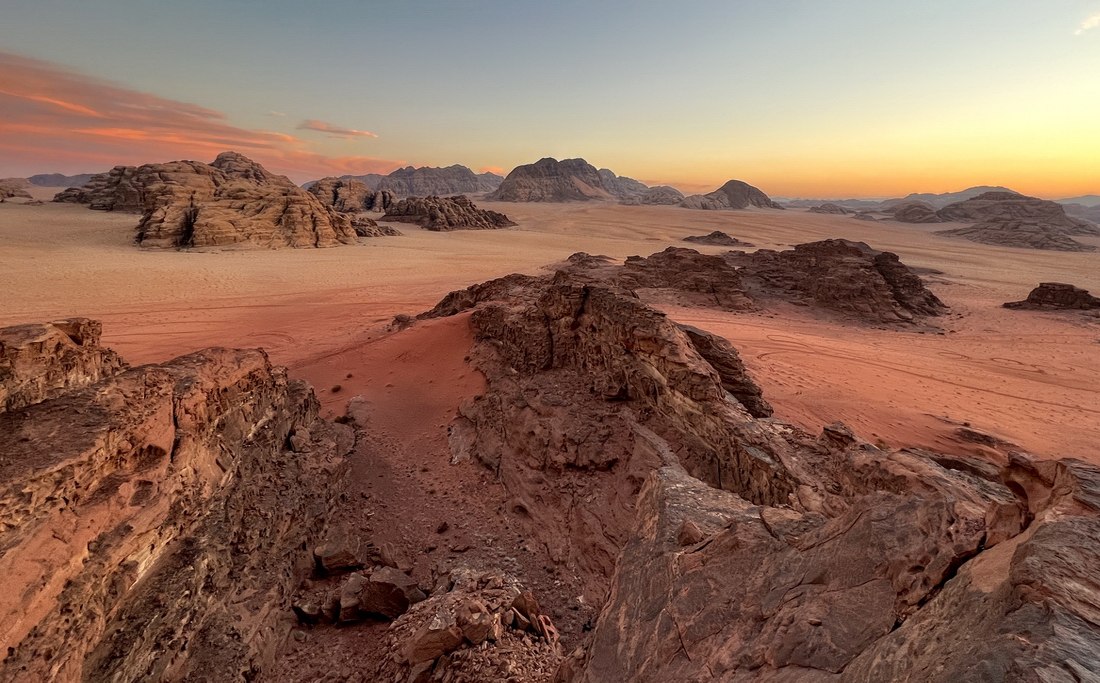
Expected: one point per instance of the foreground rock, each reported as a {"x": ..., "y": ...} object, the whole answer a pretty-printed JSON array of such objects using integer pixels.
[
  {"x": 231, "y": 202},
  {"x": 842, "y": 276},
  {"x": 717, "y": 239},
  {"x": 151, "y": 518},
  {"x": 738, "y": 548},
  {"x": 446, "y": 213},
  {"x": 568, "y": 180},
  {"x": 735, "y": 194},
  {"x": 14, "y": 188},
  {"x": 1057, "y": 295}
]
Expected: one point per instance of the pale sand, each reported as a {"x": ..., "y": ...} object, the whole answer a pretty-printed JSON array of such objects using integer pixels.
[{"x": 1030, "y": 378}]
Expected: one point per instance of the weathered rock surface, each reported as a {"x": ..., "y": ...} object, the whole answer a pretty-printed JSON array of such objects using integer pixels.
[
  {"x": 550, "y": 180},
  {"x": 44, "y": 360},
  {"x": 848, "y": 277},
  {"x": 1014, "y": 220},
  {"x": 232, "y": 201},
  {"x": 940, "y": 200},
  {"x": 1055, "y": 295},
  {"x": 717, "y": 239},
  {"x": 829, "y": 207},
  {"x": 1018, "y": 233},
  {"x": 428, "y": 181},
  {"x": 351, "y": 196},
  {"x": 743, "y": 549},
  {"x": 660, "y": 195},
  {"x": 446, "y": 213},
  {"x": 59, "y": 179},
  {"x": 151, "y": 521},
  {"x": 914, "y": 212},
  {"x": 11, "y": 188},
  {"x": 735, "y": 194}
]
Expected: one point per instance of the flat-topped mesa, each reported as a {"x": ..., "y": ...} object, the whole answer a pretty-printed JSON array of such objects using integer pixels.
[
  {"x": 568, "y": 180},
  {"x": 446, "y": 213},
  {"x": 351, "y": 196},
  {"x": 231, "y": 202},
  {"x": 844, "y": 276},
  {"x": 1057, "y": 295},
  {"x": 737, "y": 548},
  {"x": 152, "y": 518},
  {"x": 735, "y": 194}
]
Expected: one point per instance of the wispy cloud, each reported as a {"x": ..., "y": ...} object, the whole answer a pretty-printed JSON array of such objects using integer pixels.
[
  {"x": 276, "y": 113},
  {"x": 333, "y": 130},
  {"x": 1088, "y": 24},
  {"x": 57, "y": 119}
]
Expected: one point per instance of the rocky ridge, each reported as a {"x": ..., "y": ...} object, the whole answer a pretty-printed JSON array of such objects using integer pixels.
[
  {"x": 446, "y": 213},
  {"x": 232, "y": 201},
  {"x": 426, "y": 181},
  {"x": 150, "y": 517},
  {"x": 830, "y": 208},
  {"x": 735, "y": 194},
  {"x": 569, "y": 180}
]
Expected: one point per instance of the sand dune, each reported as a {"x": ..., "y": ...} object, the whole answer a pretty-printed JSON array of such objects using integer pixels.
[{"x": 1030, "y": 378}]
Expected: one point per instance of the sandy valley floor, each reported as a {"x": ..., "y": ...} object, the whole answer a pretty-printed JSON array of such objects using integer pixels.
[{"x": 1030, "y": 378}]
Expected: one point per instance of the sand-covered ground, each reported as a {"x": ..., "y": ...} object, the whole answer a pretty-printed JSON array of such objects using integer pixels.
[{"x": 1030, "y": 378}]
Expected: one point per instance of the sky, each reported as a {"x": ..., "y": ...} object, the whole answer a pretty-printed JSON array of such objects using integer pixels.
[{"x": 802, "y": 98}]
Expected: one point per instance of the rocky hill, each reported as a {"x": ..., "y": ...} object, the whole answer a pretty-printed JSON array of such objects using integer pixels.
[
  {"x": 11, "y": 188},
  {"x": 913, "y": 211},
  {"x": 427, "y": 181},
  {"x": 60, "y": 180},
  {"x": 659, "y": 195},
  {"x": 351, "y": 196},
  {"x": 152, "y": 518},
  {"x": 735, "y": 194},
  {"x": 550, "y": 180},
  {"x": 938, "y": 201},
  {"x": 442, "y": 214},
  {"x": 232, "y": 201},
  {"x": 830, "y": 208},
  {"x": 717, "y": 239}
]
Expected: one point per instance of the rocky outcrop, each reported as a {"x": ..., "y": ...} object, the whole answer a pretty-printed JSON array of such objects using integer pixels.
[
  {"x": 1014, "y": 220},
  {"x": 230, "y": 202},
  {"x": 940, "y": 200},
  {"x": 45, "y": 360},
  {"x": 717, "y": 239},
  {"x": 661, "y": 195},
  {"x": 735, "y": 194},
  {"x": 830, "y": 208},
  {"x": 150, "y": 522},
  {"x": 11, "y": 188},
  {"x": 351, "y": 196},
  {"x": 914, "y": 212},
  {"x": 59, "y": 179},
  {"x": 1057, "y": 295},
  {"x": 550, "y": 180},
  {"x": 426, "y": 181},
  {"x": 739, "y": 548},
  {"x": 446, "y": 213},
  {"x": 842, "y": 276}
]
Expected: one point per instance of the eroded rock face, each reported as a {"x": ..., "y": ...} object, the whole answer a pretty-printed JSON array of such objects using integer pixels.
[
  {"x": 1055, "y": 295},
  {"x": 844, "y": 276},
  {"x": 1014, "y": 220},
  {"x": 231, "y": 201},
  {"x": 740, "y": 548},
  {"x": 915, "y": 212},
  {"x": 1018, "y": 233},
  {"x": 717, "y": 239},
  {"x": 446, "y": 213},
  {"x": 351, "y": 196},
  {"x": 14, "y": 188},
  {"x": 736, "y": 194},
  {"x": 550, "y": 180},
  {"x": 44, "y": 360},
  {"x": 151, "y": 521}
]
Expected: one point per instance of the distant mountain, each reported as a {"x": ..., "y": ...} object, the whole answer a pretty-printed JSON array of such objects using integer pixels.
[
  {"x": 60, "y": 180},
  {"x": 571, "y": 180},
  {"x": 1089, "y": 213},
  {"x": 851, "y": 204},
  {"x": 427, "y": 180},
  {"x": 938, "y": 201},
  {"x": 1085, "y": 200},
  {"x": 735, "y": 194}
]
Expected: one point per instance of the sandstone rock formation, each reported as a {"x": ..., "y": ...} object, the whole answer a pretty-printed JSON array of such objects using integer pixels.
[
  {"x": 717, "y": 239},
  {"x": 1055, "y": 295},
  {"x": 940, "y": 200},
  {"x": 914, "y": 212},
  {"x": 446, "y": 213},
  {"x": 829, "y": 207},
  {"x": 60, "y": 179},
  {"x": 232, "y": 201},
  {"x": 427, "y": 181},
  {"x": 351, "y": 196},
  {"x": 14, "y": 187},
  {"x": 735, "y": 194},
  {"x": 550, "y": 180},
  {"x": 843, "y": 276},
  {"x": 1014, "y": 220},
  {"x": 151, "y": 518},
  {"x": 660, "y": 195},
  {"x": 742, "y": 549}
]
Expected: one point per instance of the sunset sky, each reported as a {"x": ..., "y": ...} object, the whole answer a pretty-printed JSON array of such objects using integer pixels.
[{"x": 799, "y": 97}]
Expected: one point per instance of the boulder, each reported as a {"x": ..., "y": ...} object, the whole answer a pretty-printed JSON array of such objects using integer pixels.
[{"x": 1057, "y": 295}]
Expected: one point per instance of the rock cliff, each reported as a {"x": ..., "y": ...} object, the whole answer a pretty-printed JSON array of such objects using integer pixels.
[{"x": 151, "y": 518}]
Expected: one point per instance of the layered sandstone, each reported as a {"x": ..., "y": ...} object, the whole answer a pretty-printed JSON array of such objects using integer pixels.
[
  {"x": 151, "y": 518},
  {"x": 351, "y": 196},
  {"x": 1057, "y": 295},
  {"x": 735, "y": 194},
  {"x": 446, "y": 213},
  {"x": 231, "y": 201}
]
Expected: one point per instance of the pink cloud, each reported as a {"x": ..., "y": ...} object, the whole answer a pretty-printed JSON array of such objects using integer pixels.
[
  {"x": 333, "y": 130},
  {"x": 57, "y": 119}
]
